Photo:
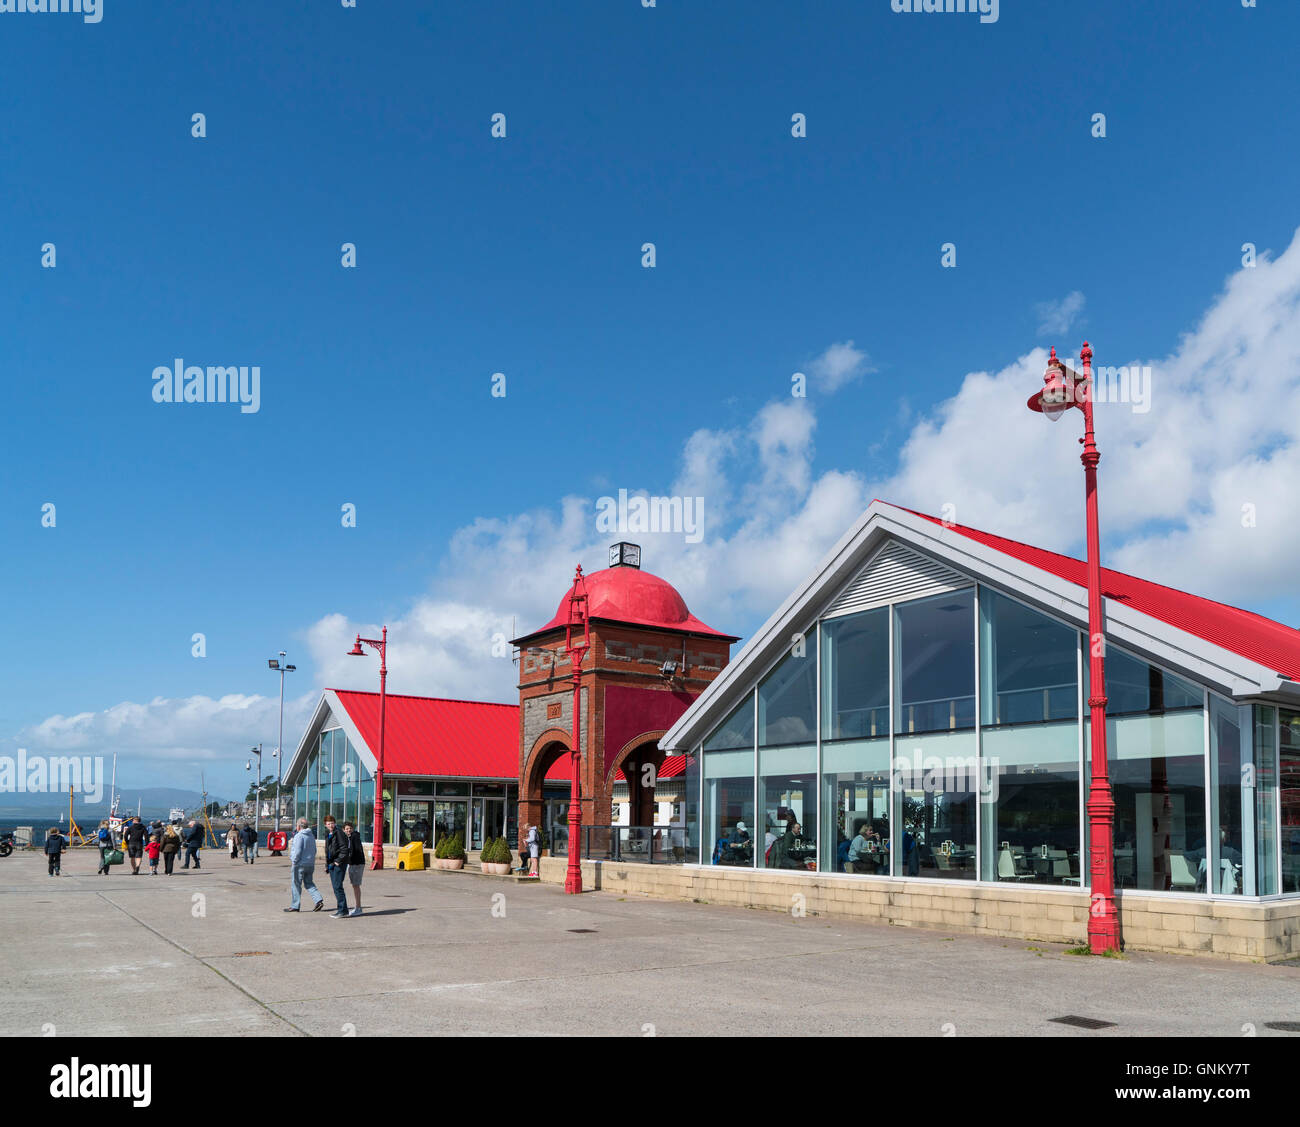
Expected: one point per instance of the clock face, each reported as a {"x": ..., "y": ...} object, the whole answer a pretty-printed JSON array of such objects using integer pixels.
[
  {"x": 614, "y": 560},
  {"x": 632, "y": 555}
]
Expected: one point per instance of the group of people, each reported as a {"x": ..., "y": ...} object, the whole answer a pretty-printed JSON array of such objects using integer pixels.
[
  {"x": 136, "y": 841},
  {"x": 780, "y": 851},
  {"x": 345, "y": 860},
  {"x": 242, "y": 838}
]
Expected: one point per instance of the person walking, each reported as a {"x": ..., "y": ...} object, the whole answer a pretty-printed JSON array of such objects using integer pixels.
[
  {"x": 151, "y": 851},
  {"x": 232, "y": 841},
  {"x": 194, "y": 840},
  {"x": 336, "y": 865},
  {"x": 104, "y": 839},
  {"x": 171, "y": 845},
  {"x": 134, "y": 839},
  {"x": 55, "y": 844},
  {"x": 248, "y": 835},
  {"x": 302, "y": 860},
  {"x": 356, "y": 864}
]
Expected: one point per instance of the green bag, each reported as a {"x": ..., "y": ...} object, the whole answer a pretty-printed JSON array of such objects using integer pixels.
[{"x": 113, "y": 857}]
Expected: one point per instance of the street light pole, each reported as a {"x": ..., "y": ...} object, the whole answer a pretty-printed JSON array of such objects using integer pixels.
[
  {"x": 282, "y": 669},
  {"x": 257, "y": 789},
  {"x": 1062, "y": 391},
  {"x": 380, "y": 644},
  {"x": 577, "y": 652}
]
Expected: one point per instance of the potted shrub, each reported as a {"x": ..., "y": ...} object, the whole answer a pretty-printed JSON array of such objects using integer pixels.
[
  {"x": 450, "y": 853},
  {"x": 496, "y": 857}
]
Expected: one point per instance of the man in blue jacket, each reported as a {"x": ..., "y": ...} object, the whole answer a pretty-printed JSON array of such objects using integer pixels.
[{"x": 302, "y": 861}]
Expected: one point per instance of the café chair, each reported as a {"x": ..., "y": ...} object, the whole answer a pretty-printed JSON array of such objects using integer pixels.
[
  {"x": 1007, "y": 868},
  {"x": 1180, "y": 873}
]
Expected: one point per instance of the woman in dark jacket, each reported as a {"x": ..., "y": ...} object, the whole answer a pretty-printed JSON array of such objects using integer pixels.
[{"x": 171, "y": 845}]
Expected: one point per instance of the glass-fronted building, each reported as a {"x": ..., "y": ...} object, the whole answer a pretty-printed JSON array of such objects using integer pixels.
[
  {"x": 449, "y": 767},
  {"x": 918, "y": 709}
]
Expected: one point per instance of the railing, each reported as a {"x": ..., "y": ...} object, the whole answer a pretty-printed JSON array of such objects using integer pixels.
[{"x": 650, "y": 845}]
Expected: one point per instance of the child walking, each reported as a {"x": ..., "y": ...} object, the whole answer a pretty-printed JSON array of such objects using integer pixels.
[{"x": 153, "y": 849}]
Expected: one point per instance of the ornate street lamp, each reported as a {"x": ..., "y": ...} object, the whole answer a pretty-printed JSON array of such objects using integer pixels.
[
  {"x": 1063, "y": 389},
  {"x": 577, "y": 652},
  {"x": 380, "y": 644}
]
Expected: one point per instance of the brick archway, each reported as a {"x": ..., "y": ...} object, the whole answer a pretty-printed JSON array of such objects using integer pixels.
[
  {"x": 546, "y": 749},
  {"x": 632, "y": 759}
]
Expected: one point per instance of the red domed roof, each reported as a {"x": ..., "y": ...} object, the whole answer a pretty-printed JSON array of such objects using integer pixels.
[{"x": 637, "y": 598}]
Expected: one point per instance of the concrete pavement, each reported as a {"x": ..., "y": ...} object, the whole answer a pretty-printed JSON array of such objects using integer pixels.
[{"x": 212, "y": 952}]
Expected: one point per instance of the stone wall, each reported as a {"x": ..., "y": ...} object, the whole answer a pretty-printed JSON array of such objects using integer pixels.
[{"x": 1241, "y": 930}]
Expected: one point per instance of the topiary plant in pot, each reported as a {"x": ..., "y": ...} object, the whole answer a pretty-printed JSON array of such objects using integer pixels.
[
  {"x": 453, "y": 852},
  {"x": 495, "y": 857}
]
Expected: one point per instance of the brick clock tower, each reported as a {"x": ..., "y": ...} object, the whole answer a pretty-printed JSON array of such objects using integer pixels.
[{"x": 649, "y": 659}]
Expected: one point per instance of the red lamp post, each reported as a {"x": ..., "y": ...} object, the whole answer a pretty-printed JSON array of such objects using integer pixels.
[
  {"x": 577, "y": 652},
  {"x": 380, "y": 644},
  {"x": 1061, "y": 391}
]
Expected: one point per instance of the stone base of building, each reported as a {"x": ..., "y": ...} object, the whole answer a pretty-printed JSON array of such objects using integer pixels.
[{"x": 1246, "y": 931}]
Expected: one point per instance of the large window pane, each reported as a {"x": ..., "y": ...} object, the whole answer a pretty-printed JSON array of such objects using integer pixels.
[
  {"x": 1265, "y": 779},
  {"x": 692, "y": 841},
  {"x": 1157, "y": 771},
  {"x": 936, "y": 663},
  {"x": 937, "y": 791},
  {"x": 786, "y": 701},
  {"x": 737, "y": 730},
  {"x": 855, "y": 676},
  {"x": 729, "y": 829},
  {"x": 787, "y": 789},
  {"x": 1134, "y": 686},
  {"x": 855, "y": 807},
  {"x": 1028, "y": 664},
  {"x": 366, "y": 820},
  {"x": 1231, "y": 858},
  {"x": 1288, "y": 793},
  {"x": 1030, "y": 804}
]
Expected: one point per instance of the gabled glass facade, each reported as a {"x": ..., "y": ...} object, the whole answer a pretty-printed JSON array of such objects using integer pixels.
[
  {"x": 335, "y": 781},
  {"x": 946, "y": 738}
]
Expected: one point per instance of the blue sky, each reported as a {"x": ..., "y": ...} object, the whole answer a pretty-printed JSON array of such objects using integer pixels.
[{"x": 522, "y": 255}]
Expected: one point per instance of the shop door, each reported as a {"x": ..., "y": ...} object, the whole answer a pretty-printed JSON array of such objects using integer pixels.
[
  {"x": 489, "y": 820},
  {"x": 414, "y": 823},
  {"x": 449, "y": 817}
]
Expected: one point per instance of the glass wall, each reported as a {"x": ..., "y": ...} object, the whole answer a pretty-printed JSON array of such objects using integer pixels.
[
  {"x": 1029, "y": 703},
  {"x": 1264, "y": 776},
  {"x": 1155, "y": 733},
  {"x": 729, "y": 828},
  {"x": 787, "y": 710},
  {"x": 855, "y": 676},
  {"x": 1288, "y": 796},
  {"x": 936, "y": 780},
  {"x": 787, "y": 789},
  {"x": 335, "y": 781},
  {"x": 1231, "y": 858},
  {"x": 934, "y": 659},
  {"x": 692, "y": 842},
  {"x": 855, "y": 807}
]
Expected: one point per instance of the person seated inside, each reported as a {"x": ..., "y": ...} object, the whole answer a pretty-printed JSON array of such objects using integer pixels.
[
  {"x": 782, "y": 855},
  {"x": 860, "y": 848}
]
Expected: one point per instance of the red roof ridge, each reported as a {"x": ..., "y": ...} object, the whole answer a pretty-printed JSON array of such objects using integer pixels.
[
  {"x": 965, "y": 528},
  {"x": 421, "y": 696}
]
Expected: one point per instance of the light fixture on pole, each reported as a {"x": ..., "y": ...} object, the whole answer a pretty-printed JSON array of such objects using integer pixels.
[
  {"x": 1063, "y": 389},
  {"x": 257, "y": 788},
  {"x": 577, "y": 650},
  {"x": 279, "y": 666},
  {"x": 380, "y": 644}
]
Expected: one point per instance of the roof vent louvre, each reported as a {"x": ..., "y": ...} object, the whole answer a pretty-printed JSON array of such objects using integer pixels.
[{"x": 894, "y": 574}]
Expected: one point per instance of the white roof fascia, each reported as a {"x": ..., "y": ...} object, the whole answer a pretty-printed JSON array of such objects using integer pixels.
[{"x": 1203, "y": 661}]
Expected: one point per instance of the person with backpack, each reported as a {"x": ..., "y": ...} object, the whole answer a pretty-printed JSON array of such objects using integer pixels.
[
  {"x": 104, "y": 839},
  {"x": 194, "y": 839},
  {"x": 336, "y": 865},
  {"x": 248, "y": 835},
  {"x": 55, "y": 844}
]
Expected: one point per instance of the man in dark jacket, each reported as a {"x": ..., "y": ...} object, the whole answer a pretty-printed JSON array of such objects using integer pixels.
[
  {"x": 337, "y": 853},
  {"x": 134, "y": 838},
  {"x": 194, "y": 839},
  {"x": 248, "y": 839}
]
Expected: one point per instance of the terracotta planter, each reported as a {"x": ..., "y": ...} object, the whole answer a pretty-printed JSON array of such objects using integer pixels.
[
  {"x": 497, "y": 868},
  {"x": 450, "y": 862}
]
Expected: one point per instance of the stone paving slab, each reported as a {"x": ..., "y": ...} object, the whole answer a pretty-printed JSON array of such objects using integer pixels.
[{"x": 212, "y": 952}]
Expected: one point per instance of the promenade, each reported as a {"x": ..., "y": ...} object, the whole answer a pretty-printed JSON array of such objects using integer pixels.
[{"x": 211, "y": 952}]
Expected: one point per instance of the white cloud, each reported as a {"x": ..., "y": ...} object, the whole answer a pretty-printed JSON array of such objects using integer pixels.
[
  {"x": 840, "y": 364},
  {"x": 1057, "y": 317}
]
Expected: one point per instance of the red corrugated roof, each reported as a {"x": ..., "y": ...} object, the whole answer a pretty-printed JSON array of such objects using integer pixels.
[
  {"x": 1242, "y": 632},
  {"x": 431, "y": 736},
  {"x": 673, "y": 766}
]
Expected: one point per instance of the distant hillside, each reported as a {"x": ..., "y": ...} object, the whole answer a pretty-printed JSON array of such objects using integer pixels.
[{"x": 155, "y": 802}]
